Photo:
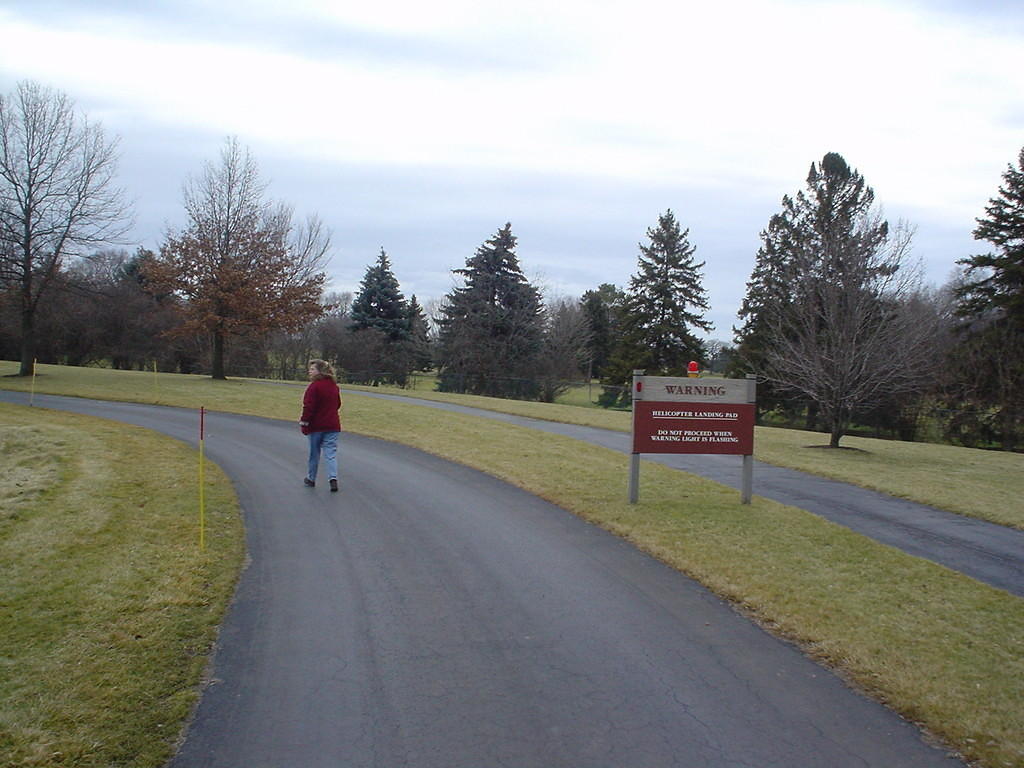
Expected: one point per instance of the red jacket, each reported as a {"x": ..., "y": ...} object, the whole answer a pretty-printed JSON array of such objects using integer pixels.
[{"x": 320, "y": 407}]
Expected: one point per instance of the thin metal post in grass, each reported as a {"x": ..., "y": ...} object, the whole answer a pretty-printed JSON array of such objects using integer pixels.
[
  {"x": 202, "y": 480},
  {"x": 32, "y": 392}
]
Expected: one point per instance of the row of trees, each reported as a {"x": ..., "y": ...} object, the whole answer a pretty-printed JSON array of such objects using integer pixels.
[
  {"x": 495, "y": 334},
  {"x": 241, "y": 267},
  {"x": 491, "y": 335},
  {"x": 836, "y": 321}
]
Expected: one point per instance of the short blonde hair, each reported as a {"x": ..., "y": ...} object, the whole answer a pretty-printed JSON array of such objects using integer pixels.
[{"x": 323, "y": 369}]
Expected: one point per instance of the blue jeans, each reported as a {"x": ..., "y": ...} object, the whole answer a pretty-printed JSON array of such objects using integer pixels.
[{"x": 326, "y": 442}]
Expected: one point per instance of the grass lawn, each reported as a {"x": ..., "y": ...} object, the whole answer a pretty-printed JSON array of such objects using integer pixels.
[
  {"x": 108, "y": 608},
  {"x": 939, "y": 647},
  {"x": 984, "y": 484}
]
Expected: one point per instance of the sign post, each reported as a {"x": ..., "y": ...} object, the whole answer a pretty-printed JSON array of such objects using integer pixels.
[
  {"x": 687, "y": 415},
  {"x": 634, "y": 458}
]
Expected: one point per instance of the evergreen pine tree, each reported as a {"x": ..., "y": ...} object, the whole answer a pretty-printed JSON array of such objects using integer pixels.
[
  {"x": 988, "y": 360},
  {"x": 599, "y": 309},
  {"x": 768, "y": 285},
  {"x": 768, "y": 291},
  {"x": 379, "y": 303},
  {"x": 795, "y": 247},
  {"x": 490, "y": 328},
  {"x": 665, "y": 302},
  {"x": 419, "y": 338},
  {"x": 998, "y": 283}
]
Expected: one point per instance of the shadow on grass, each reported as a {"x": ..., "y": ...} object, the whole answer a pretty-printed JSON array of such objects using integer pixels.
[{"x": 837, "y": 448}]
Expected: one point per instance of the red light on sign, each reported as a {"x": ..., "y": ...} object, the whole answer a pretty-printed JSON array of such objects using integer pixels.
[
  {"x": 693, "y": 370},
  {"x": 639, "y": 386}
]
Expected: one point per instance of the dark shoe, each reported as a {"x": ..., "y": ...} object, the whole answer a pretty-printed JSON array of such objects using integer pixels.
[
  {"x": 308, "y": 483},
  {"x": 334, "y": 485}
]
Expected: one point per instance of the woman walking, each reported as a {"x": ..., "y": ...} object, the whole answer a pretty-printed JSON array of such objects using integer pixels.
[{"x": 320, "y": 421}]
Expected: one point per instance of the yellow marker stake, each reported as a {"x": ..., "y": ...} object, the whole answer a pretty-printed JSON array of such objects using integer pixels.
[
  {"x": 32, "y": 394},
  {"x": 202, "y": 482}
]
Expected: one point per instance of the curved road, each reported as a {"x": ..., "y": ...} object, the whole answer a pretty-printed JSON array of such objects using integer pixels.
[{"x": 430, "y": 615}]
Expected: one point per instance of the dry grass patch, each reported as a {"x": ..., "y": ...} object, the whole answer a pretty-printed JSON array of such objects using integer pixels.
[
  {"x": 30, "y": 463},
  {"x": 559, "y": 412},
  {"x": 107, "y": 607}
]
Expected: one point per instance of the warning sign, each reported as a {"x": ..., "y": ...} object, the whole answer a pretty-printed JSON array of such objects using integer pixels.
[
  {"x": 697, "y": 427},
  {"x": 693, "y": 415}
]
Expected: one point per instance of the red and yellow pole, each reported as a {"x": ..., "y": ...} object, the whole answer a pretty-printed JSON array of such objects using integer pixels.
[{"x": 202, "y": 480}]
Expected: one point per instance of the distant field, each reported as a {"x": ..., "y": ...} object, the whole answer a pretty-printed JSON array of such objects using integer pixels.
[{"x": 582, "y": 395}]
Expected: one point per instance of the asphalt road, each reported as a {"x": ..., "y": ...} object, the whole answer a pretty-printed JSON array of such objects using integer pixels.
[{"x": 430, "y": 615}]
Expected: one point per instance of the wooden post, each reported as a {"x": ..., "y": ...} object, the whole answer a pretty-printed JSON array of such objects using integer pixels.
[
  {"x": 634, "y": 457},
  {"x": 748, "y": 460}
]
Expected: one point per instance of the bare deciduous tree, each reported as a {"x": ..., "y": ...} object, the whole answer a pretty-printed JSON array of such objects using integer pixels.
[
  {"x": 58, "y": 197},
  {"x": 564, "y": 352},
  {"x": 852, "y": 332}
]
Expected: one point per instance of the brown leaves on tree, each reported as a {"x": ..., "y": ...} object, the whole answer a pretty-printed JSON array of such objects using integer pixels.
[
  {"x": 241, "y": 267},
  {"x": 252, "y": 289}
]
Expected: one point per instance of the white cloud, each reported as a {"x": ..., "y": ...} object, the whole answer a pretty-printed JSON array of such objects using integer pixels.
[{"x": 667, "y": 91}]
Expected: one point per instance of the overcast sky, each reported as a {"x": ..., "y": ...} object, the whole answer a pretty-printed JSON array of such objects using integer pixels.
[{"x": 423, "y": 127}]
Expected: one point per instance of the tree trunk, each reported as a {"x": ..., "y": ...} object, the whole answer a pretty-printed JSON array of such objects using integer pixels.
[
  {"x": 218, "y": 356},
  {"x": 28, "y": 342},
  {"x": 838, "y": 424}
]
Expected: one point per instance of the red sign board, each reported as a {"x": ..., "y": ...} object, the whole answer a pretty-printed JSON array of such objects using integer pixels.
[{"x": 682, "y": 427}]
